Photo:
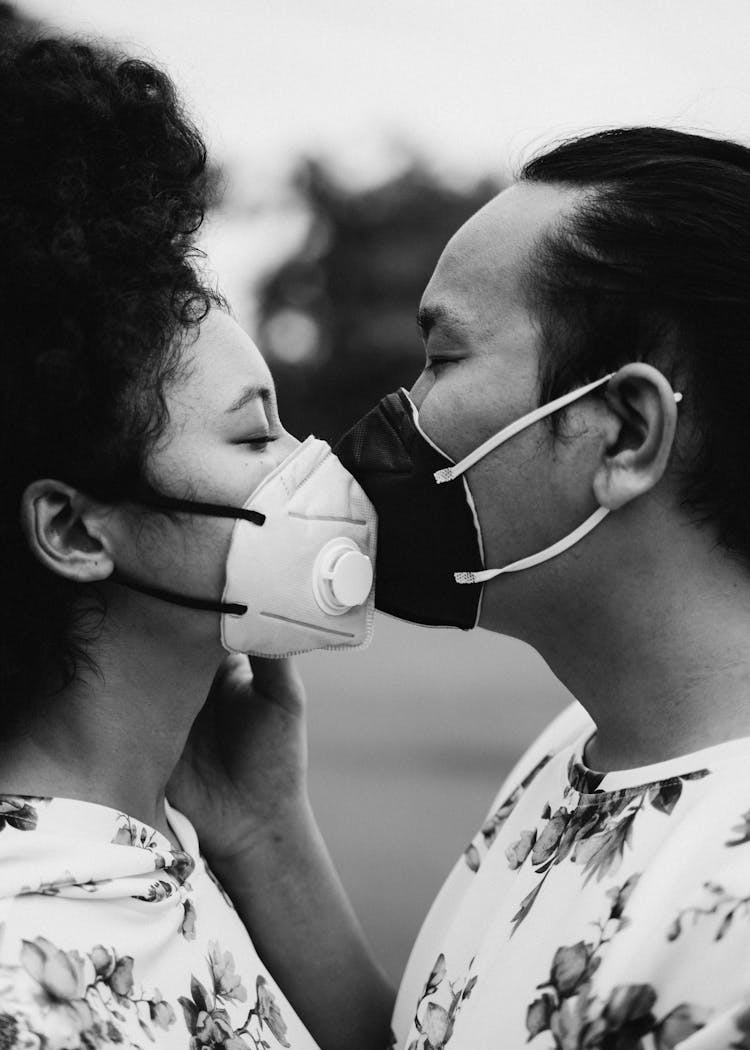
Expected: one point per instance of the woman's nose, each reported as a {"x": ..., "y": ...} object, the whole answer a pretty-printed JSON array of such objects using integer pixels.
[{"x": 286, "y": 444}]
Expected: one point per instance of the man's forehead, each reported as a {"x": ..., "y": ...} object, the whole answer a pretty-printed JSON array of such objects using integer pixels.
[{"x": 481, "y": 267}]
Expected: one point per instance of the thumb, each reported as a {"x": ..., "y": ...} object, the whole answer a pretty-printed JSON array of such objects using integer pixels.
[
  {"x": 279, "y": 680},
  {"x": 233, "y": 679}
]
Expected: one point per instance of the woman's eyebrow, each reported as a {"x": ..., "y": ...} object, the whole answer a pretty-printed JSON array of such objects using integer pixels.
[{"x": 249, "y": 394}]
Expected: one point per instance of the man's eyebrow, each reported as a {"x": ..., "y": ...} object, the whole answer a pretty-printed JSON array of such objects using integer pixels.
[
  {"x": 250, "y": 393},
  {"x": 437, "y": 314}
]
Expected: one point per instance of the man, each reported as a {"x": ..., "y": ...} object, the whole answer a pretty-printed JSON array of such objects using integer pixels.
[{"x": 605, "y": 901}]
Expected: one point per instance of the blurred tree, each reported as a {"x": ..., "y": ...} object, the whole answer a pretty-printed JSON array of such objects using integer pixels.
[{"x": 337, "y": 321}]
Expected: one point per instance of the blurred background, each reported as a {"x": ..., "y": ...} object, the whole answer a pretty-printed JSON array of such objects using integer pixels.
[{"x": 349, "y": 140}]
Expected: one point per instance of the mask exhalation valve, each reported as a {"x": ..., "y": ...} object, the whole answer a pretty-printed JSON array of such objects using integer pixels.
[{"x": 342, "y": 577}]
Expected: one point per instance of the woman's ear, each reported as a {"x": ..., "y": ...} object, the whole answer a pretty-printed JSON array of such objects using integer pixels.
[
  {"x": 66, "y": 531},
  {"x": 643, "y": 413}
]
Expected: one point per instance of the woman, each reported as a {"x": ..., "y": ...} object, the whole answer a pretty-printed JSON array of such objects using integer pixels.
[{"x": 137, "y": 421}]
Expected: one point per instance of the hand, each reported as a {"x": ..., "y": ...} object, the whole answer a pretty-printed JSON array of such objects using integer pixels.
[
  {"x": 242, "y": 781},
  {"x": 243, "y": 772}
]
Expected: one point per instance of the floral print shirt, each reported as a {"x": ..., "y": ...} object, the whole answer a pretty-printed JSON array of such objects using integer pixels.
[
  {"x": 110, "y": 937},
  {"x": 593, "y": 911}
]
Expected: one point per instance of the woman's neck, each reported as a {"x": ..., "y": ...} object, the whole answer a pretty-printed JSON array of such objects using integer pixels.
[{"x": 115, "y": 735}]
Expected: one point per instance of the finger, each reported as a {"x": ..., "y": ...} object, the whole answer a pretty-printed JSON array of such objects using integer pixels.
[
  {"x": 233, "y": 677},
  {"x": 278, "y": 679},
  {"x": 233, "y": 666}
]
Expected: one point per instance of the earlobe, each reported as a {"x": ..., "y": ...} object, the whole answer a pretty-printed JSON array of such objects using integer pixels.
[
  {"x": 63, "y": 530},
  {"x": 644, "y": 412}
]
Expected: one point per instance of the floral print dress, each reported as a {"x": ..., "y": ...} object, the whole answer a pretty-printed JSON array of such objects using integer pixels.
[
  {"x": 111, "y": 937},
  {"x": 593, "y": 911}
]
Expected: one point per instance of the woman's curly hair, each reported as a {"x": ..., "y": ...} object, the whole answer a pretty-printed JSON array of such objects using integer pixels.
[{"x": 102, "y": 189}]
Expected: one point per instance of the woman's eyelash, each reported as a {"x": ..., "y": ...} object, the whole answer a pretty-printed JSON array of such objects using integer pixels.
[{"x": 265, "y": 440}]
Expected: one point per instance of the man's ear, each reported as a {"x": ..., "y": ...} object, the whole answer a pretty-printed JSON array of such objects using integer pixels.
[
  {"x": 643, "y": 413},
  {"x": 65, "y": 531}
]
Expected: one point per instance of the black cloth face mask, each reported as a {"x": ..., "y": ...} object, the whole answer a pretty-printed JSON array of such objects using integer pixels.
[
  {"x": 430, "y": 558},
  {"x": 425, "y": 530}
]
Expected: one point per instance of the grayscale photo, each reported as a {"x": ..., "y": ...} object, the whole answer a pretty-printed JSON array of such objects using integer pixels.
[{"x": 375, "y": 633}]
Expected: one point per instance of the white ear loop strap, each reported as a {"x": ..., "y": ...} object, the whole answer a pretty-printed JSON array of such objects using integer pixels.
[
  {"x": 536, "y": 559},
  {"x": 566, "y": 542},
  {"x": 450, "y": 473}
]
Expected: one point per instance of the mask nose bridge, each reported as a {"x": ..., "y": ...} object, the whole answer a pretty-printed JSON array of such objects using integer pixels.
[{"x": 414, "y": 411}]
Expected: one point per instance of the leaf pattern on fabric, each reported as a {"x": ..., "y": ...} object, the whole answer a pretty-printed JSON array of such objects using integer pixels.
[
  {"x": 189, "y": 919},
  {"x": 719, "y": 903},
  {"x": 741, "y": 830},
  {"x": 491, "y": 827},
  {"x": 157, "y": 891},
  {"x": 131, "y": 832},
  {"x": 207, "y": 1015},
  {"x": 435, "y": 1026},
  {"x": 742, "y": 1024},
  {"x": 594, "y": 831},
  {"x": 65, "y": 1000},
  {"x": 577, "y": 1019},
  {"x": 17, "y": 811}
]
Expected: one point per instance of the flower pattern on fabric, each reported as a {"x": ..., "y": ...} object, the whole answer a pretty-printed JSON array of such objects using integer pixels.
[
  {"x": 658, "y": 857},
  {"x": 491, "y": 827},
  {"x": 592, "y": 832},
  {"x": 59, "y": 993},
  {"x": 435, "y": 1026},
  {"x": 176, "y": 862},
  {"x": 65, "y": 1000},
  {"x": 207, "y": 1013},
  {"x": 577, "y": 1019}
]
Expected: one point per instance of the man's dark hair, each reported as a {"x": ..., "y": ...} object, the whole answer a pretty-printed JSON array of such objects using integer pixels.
[
  {"x": 653, "y": 264},
  {"x": 101, "y": 194}
]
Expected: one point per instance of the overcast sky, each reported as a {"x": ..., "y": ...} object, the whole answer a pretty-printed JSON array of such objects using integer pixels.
[{"x": 474, "y": 85}]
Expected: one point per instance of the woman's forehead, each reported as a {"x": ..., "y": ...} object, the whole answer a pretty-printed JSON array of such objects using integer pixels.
[{"x": 223, "y": 365}]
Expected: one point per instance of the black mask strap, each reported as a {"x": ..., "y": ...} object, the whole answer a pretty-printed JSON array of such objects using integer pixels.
[
  {"x": 203, "y": 604},
  {"x": 188, "y": 506}
]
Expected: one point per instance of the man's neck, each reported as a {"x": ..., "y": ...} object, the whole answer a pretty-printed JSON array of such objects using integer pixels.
[{"x": 660, "y": 658}]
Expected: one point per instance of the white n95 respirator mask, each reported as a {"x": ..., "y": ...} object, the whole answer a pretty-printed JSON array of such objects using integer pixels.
[{"x": 299, "y": 571}]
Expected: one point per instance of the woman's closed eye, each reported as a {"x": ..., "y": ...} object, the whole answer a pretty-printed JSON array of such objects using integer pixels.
[{"x": 260, "y": 441}]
